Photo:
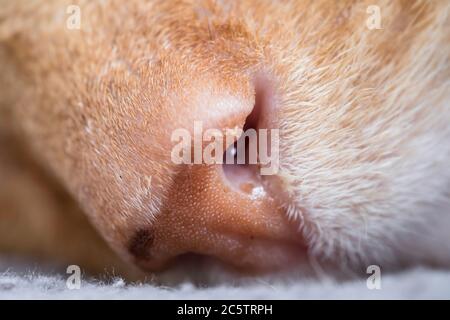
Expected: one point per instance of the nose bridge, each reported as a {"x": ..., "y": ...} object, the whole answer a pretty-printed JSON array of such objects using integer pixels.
[{"x": 217, "y": 101}]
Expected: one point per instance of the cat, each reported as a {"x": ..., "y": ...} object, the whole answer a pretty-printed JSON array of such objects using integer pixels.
[{"x": 359, "y": 92}]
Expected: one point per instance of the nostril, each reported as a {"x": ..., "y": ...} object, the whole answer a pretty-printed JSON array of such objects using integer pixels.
[
  {"x": 243, "y": 177},
  {"x": 241, "y": 161},
  {"x": 240, "y": 172}
]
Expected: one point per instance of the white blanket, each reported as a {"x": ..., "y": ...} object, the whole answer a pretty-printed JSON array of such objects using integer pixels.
[{"x": 413, "y": 284}]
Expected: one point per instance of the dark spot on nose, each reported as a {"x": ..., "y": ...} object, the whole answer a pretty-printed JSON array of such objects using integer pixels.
[{"x": 141, "y": 243}]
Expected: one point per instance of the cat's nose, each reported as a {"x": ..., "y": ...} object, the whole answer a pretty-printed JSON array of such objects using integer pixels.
[
  {"x": 219, "y": 204},
  {"x": 208, "y": 217}
]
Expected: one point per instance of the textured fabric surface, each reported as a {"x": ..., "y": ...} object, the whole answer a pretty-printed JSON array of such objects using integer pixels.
[{"x": 413, "y": 284}]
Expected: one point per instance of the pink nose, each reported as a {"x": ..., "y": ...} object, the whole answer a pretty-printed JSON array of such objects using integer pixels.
[{"x": 223, "y": 210}]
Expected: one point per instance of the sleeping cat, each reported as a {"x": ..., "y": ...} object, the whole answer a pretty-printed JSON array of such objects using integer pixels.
[{"x": 91, "y": 93}]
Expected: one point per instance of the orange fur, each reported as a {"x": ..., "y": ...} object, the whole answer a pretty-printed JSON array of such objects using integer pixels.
[{"x": 363, "y": 114}]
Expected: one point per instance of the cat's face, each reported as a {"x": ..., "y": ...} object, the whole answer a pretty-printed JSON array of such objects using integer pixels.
[{"x": 360, "y": 117}]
